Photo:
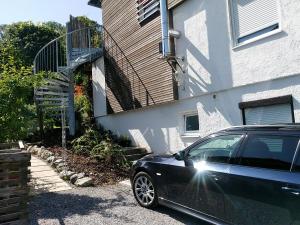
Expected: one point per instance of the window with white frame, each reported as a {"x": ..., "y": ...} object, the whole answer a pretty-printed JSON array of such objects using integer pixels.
[
  {"x": 147, "y": 10},
  {"x": 254, "y": 19},
  {"x": 191, "y": 123}
]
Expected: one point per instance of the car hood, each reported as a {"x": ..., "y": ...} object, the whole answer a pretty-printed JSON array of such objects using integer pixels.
[{"x": 157, "y": 158}]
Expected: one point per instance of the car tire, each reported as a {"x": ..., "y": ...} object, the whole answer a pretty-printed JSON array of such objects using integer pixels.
[{"x": 144, "y": 190}]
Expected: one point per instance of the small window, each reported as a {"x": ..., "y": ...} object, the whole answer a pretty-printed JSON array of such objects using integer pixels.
[
  {"x": 191, "y": 123},
  {"x": 217, "y": 149},
  {"x": 267, "y": 151},
  {"x": 254, "y": 19},
  {"x": 147, "y": 10}
]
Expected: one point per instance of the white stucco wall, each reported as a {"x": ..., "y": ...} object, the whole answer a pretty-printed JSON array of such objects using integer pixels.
[
  {"x": 159, "y": 128},
  {"x": 212, "y": 63},
  {"x": 263, "y": 69},
  {"x": 99, "y": 94}
]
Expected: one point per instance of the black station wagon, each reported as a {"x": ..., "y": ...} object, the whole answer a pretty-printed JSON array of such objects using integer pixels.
[{"x": 242, "y": 175}]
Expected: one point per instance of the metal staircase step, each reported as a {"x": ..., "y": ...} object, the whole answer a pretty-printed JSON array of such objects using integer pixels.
[
  {"x": 63, "y": 68},
  {"x": 52, "y": 99},
  {"x": 47, "y": 104},
  {"x": 57, "y": 82},
  {"x": 63, "y": 77},
  {"x": 52, "y": 88},
  {"x": 53, "y": 109},
  {"x": 42, "y": 93}
]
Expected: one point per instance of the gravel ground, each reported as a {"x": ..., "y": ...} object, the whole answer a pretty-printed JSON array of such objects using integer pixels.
[{"x": 100, "y": 205}]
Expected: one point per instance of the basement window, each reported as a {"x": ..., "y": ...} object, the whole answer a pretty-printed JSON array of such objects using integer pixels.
[
  {"x": 268, "y": 111},
  {"x": 147, "y": 10},
  {"x": 191, "y": 123},
  {"x": 253, "y": 20}
]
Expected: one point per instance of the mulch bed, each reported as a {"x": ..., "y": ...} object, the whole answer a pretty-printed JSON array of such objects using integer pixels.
[{"x": 102, "y": 173}]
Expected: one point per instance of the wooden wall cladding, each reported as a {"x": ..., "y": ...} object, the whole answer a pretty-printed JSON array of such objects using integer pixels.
[
  {"x": 140, "y": 44},
  {"x": 173, "y": 3}
]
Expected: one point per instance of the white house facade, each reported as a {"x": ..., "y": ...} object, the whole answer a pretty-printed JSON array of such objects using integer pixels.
[{"x": 240, "y": 65}]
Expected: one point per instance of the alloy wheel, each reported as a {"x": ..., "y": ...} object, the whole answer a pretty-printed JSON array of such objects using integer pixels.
[{"x": 144, "y": 190}]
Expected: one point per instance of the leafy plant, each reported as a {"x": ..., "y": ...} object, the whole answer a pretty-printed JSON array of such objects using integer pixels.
[
  {"x": 28, "y": 38},
  {"x": 19, "y": 43},
  {"x": 109, "y": 152},
  {"x": 83, "y": 105},
  {"x": 101, "y": 144},
  {"x": 17, "y": 110},
  {"x": 86, "y": 142}
]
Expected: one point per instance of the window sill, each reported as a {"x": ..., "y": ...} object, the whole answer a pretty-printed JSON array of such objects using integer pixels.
[
  {"x": 237, "y": 46},
  {"x": 190, "y": 135}
]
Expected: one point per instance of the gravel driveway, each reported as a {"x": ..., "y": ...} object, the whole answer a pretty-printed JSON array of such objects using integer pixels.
[{"x": 100, "y": 205}]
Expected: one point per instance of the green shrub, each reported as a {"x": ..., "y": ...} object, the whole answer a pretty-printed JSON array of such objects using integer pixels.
[
  {"x": 109, "y": 152},
  {"x": 103, "y": 145},
  {"x": 85, "y": 143}
]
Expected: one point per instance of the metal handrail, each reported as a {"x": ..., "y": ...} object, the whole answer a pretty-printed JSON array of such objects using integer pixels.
[
  {"x": 60, "y": 52},
  {"x": 53, "y": 48},
  {"x": 129, "y": 63},
  {"x": 64, "y": 35}
]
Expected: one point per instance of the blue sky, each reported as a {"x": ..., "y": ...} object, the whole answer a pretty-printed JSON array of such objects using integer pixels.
[{"x": 45, "y": 10}]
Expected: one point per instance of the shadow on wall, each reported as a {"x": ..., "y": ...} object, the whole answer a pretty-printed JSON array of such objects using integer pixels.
[
  {"x": 207, "y": 48},
  {"x": 119, "y": 85},
  {"x": 157, "y": 128},
  {"x": 206, "y": 44},
  {"x": 153, "y": 136}
]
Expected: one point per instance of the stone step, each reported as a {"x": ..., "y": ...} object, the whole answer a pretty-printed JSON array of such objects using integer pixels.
[{"x": 134, "y": 150}]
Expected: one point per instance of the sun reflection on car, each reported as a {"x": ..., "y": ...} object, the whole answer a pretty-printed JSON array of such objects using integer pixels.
[{"x": 200, "y": 166}]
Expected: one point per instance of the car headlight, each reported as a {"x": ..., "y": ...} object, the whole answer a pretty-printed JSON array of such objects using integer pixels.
[{"x": 134, "y": 162}]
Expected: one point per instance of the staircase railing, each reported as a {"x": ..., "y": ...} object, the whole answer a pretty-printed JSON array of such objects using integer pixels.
[
  {"x": 114, "y": 53},
  {"x": 64, "y": 54},
  {"x": 69, "y": 50},
  {"x": 61, "y": 57}
]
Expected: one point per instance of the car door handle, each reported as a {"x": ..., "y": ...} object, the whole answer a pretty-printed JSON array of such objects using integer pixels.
[{"x": 294, "y": 191}]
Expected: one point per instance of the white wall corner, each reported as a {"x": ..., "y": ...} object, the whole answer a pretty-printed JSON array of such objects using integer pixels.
[{"x": 99, "y": 93}]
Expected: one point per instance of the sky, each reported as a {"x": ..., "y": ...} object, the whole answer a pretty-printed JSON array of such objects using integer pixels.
[{"x": 46, "y": 10}]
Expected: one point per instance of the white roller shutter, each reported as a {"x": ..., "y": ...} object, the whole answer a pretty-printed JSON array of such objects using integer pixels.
[
  {"x": 269, "y": 114},
  {"x": 250, "y": 16}
]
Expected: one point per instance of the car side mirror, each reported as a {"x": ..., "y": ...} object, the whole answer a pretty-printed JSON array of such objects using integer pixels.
[
  {"x": 188, "y": 162},
  {"x": 179, "y": 155}
]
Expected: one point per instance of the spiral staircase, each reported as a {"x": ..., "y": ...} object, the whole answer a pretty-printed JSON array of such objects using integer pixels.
[{"x": 58, "y": 60}]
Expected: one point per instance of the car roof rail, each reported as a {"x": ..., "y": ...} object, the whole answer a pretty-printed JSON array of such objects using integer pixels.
[{"x": 279, "y": 126}]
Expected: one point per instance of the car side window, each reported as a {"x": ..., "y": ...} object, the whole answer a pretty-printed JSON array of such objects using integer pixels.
[
  {"x": 269, "y": 151},
  {"x": 216, "y": 149}
]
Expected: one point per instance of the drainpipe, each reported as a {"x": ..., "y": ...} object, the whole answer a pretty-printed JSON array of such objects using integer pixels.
[{"x": 164, "y": 28}]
